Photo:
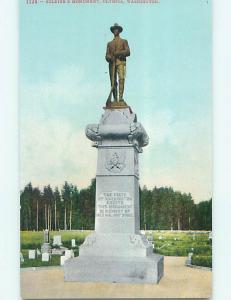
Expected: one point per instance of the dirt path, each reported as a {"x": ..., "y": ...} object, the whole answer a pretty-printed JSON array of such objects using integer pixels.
[{"x": 179, "y": 281}]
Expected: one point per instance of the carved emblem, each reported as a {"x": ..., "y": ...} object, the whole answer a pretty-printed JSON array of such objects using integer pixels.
[{"x": 115, "y": 161}]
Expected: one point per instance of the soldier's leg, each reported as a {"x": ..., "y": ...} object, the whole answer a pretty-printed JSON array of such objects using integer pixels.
[
  {"x": 110, "y": 67},
  {"x": 111, "y": 73},
  {"x": 121, "y": 73}
]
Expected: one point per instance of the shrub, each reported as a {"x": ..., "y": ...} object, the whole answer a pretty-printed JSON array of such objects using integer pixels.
[
  {"x": 202, "y": 260},
  {"x": 172, "y": 251},
  {"x": 31, "y": 245},
  {"x": 202, "y": 249}
]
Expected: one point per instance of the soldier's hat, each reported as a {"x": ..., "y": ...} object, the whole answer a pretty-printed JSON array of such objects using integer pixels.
[{"x": 116, "y": 26}]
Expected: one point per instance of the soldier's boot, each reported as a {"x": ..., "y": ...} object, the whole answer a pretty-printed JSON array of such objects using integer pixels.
[{"x": 121, "y": 89}]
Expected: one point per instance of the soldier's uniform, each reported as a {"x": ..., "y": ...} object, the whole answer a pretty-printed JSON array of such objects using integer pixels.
[{"x": 117, "y": 65}]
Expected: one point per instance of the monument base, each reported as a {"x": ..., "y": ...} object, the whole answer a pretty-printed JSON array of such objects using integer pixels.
[
  {"x": 115, "y": 269},
  {"x": 116, "y": 104},
  {"x": 116, "y": 251}
]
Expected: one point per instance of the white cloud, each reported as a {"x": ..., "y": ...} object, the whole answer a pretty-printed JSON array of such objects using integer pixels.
[
  {"x": 158, "y": 126},
  {"x": 52, "y": 152},
  {"x": 67, "y": 91},
  {"x": 179, "y": 155}
]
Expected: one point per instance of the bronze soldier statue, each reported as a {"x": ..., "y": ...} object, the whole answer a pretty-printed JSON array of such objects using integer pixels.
[{"x": 117, "y": 51}]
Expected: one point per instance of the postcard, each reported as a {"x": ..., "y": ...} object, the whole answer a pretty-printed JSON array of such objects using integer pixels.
[{"x": 115, "y": 148}]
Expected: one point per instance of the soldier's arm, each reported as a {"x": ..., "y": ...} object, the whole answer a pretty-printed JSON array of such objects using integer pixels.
[
  {"x": 126, "y": 51},
  {"x": 108, "y": 56}
]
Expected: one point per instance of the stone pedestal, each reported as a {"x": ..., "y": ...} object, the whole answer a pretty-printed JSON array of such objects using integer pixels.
[
  {"x": 116, "y": 251},
  {"x": 46, "y": 247}
]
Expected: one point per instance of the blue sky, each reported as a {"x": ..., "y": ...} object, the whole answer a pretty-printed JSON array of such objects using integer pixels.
[{"x": 64, "y": 84}]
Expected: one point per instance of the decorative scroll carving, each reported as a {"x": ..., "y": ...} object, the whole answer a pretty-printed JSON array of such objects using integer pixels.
[
  {"x": 92, "y": 132},
  {"x": 138, "y": 135},
  {"x": 115, "y": 126}
]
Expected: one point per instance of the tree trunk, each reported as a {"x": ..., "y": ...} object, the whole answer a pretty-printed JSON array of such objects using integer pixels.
[
  {"x": 30, "y": 223},
  {"x": 145, "y": 220},
  {"x": 50, "y": 219},
  {"x": 55, "y": 217},
  {"x": 178, "y": 223},
  {"x": 71, "y": 216},
  {"x": 45, "y": 216},
  {"x": 37, "y": 217},
  {"x": 65, "y": 218}
]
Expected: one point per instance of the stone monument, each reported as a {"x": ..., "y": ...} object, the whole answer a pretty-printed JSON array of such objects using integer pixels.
[
  {"x": 116, "y": 251},
  {"x": 45, "y": 256},
  {"x": 46, "y": 247},
  {"x": 31, "y": 254},
  {"x": 73, "y": 244},
  {"x": 57, "y": 240}
]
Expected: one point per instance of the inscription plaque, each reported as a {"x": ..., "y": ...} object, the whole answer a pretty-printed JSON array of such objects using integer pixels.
[{"x": 115, "y": 204}]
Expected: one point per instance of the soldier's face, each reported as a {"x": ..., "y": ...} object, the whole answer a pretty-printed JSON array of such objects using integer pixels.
[{"x": 116, "y": 32}]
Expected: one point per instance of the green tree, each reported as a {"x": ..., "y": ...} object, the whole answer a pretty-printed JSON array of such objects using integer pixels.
[
  {"x": 48, "y": 198},
  {"x": 57, "y": 208}
]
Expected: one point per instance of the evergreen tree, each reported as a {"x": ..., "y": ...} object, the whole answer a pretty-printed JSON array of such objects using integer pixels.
[{"x": 160, "y": 208}]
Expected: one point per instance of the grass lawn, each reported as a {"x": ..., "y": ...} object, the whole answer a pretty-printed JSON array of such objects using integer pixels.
[
  {"x": 34, "y": 239},
  {"x": 55, "y": 261},
  {"x": 180, "y": 244},
  {"x": 167, "y": 243}
]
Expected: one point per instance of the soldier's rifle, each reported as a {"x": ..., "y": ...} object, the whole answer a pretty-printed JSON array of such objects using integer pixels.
[{"x": 113, "y": 80}]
